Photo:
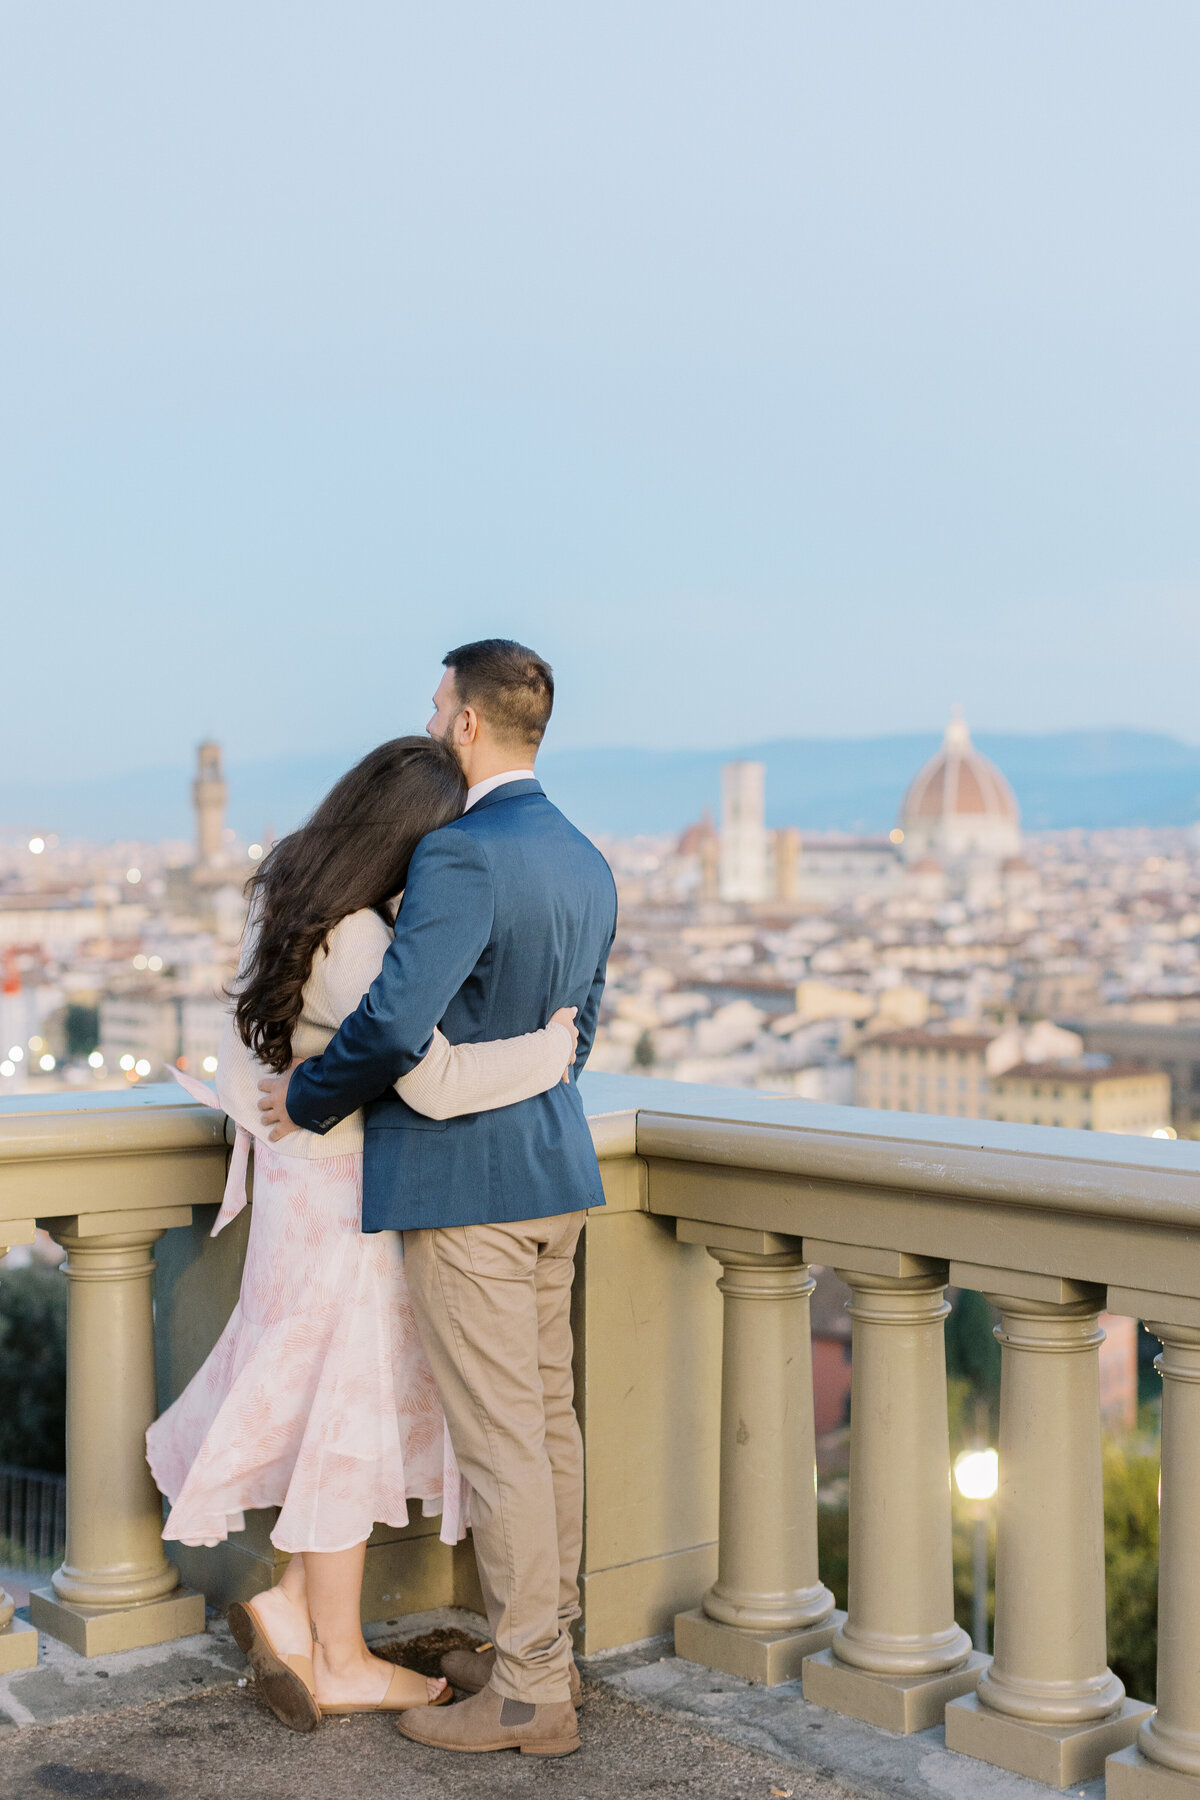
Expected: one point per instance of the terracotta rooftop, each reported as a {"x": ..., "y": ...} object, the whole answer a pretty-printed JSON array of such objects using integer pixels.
[
  {"x": 913, "y": 1038},
  {"x": 958, "y": 780},
  {"x": 1073, "y": 1072}
]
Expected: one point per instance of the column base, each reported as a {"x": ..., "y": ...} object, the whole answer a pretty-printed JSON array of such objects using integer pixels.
[
  {"x": 99, "y": 1631},
  {"x": 901, "y": 1703},
  {"x": 18, "y": 1647},
  {"x": 767, "y": 1657},
  {"x": 1059, "y": 1755},
  {"x": 1129, "y": 1775}
]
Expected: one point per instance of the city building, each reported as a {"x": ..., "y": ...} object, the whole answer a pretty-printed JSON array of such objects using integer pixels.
[
  {"x": 210, "y": 890},
  {"x": 1173, "y": 1048},
  {"x": 946, "y": 1071},
  {"x": 925, "y": 1071},
  {"x": 744, "y": 863},
  {"x": 1132, "y": 1102},
  {"x": 835, "y": 869},
  {"x": 959, "y": 809}
]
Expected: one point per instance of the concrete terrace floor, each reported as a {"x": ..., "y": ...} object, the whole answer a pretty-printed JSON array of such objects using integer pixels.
[{"x": 182, "y": 1723}]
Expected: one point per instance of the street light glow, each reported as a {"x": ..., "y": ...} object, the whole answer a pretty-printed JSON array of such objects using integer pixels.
[
  {"x": 126, "y": 1062},
  {"x": 209, "y": 1065},
  {"x": 8, "y": 1068},
  {"x": 977, "y": 1474},
  {"x": 142, "y": 1067},
  {"x": 96, "y": 1060},
  {"x": 46, "y": 1062},
  {"x": 36, "y": 846},
  {"x": 133, "y": 876}
]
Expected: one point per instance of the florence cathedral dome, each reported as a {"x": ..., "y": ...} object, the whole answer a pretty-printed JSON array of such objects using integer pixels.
[{"x": 960, "y": 807}]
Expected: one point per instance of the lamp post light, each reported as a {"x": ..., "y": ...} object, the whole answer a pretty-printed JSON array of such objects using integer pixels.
[{"x": 977, "y": 1476}]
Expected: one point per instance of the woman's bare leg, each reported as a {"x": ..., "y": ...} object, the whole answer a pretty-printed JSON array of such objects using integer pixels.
[
  {"x": 292, "y": 1583},
  {"x": 344, "y": 1670},
  {"x": 283, "y": 1610}
]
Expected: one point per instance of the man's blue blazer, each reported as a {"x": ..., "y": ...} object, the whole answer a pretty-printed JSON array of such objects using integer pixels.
[{"x": 509, "y": 913}]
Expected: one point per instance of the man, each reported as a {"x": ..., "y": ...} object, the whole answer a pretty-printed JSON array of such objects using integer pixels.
[{"x": 508, "y": 914}]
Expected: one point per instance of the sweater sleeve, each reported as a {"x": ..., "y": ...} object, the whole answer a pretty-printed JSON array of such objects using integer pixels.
[{"x": 453, "y": 1079}]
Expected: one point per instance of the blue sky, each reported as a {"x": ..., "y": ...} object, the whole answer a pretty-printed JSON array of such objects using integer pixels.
[{"x": 775, "y": 368}]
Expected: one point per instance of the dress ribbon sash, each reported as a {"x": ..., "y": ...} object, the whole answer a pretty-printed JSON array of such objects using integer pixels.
[{"x": 234, "y": 1199}]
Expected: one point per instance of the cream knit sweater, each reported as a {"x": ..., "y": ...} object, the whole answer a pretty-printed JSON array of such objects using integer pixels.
[{"x": 452, "y": 1079}]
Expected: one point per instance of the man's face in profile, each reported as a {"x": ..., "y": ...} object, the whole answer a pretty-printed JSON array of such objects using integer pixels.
[{"x": 446, "y": 709}]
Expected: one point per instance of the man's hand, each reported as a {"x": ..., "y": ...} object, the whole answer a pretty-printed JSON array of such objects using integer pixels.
[
  {"x": 566, "y": 1016},
  {"x": 273, "y": 1104}
]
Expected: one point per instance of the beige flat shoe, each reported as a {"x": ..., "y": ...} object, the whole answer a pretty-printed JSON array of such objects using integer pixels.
[
  {"x": 390, "y": 1702},
  {"x": 286, "y": 1682}
]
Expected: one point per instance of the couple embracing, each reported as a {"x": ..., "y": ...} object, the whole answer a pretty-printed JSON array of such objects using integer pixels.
[{"x": 418, "y": 988}]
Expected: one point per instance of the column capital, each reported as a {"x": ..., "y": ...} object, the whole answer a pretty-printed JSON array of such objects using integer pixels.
[
  {"x": 1052, "y": 1326},
  {"x": 896, "y": 1299},
  {"x": 779, "y": 1275},
  {"x": 1179, "y": 1358}
]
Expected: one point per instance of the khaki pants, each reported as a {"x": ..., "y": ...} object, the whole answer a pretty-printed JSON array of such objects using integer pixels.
[{"x": 493, "y": 1304}]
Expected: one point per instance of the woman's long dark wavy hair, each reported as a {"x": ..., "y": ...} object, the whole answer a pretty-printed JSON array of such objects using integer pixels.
[{"x": 353, "y": 852}]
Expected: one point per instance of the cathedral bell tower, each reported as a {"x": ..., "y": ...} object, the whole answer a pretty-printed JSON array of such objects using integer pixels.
[{"x": 209, "y": 795}]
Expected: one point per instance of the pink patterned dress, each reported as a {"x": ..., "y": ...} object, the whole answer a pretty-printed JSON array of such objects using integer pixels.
[{"x": 317, "y": 1398}]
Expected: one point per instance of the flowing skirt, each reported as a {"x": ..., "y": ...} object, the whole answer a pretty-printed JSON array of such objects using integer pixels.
[{"x": 318, "y": 1397}]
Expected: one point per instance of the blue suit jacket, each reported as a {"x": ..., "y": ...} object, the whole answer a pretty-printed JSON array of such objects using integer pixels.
[{"x": 509, "y": 913}]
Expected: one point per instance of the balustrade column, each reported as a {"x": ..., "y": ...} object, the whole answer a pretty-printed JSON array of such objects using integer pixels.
[
  {"x": 768, "y": 1607},
  {"x": 115, "y": 1589},
  {"x": 1166, "y": 1757},
  {"x": 899, "y": 1656},
  {"x": 18, "y": 1641},
  {"x": 1048, "y": 1707}
]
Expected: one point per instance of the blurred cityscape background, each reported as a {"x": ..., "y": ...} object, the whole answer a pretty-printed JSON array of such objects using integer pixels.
[{"x": 954, "y": 963}]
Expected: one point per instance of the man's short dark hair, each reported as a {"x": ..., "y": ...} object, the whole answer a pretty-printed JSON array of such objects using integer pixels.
[{"x": 510, "y": 687}]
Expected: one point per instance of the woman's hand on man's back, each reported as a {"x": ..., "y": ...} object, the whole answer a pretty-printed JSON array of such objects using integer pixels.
[{"x": 566, "y": 1015}]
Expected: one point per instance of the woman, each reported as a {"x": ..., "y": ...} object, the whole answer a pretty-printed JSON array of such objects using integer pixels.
[{"x": 318, "y": 1398}]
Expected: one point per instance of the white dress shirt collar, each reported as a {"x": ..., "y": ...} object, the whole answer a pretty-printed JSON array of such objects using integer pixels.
[{"x": 494, "y": 781}]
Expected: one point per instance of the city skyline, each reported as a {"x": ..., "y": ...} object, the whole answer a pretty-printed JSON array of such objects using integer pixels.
[{"x": 1064, "y": 780}]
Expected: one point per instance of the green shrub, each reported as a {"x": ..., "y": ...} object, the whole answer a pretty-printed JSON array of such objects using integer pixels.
[
  {"x": 1131, "y": 1566},
  {"x": 833, "y": 1548},
  {"x": 33, "y": 1368}
]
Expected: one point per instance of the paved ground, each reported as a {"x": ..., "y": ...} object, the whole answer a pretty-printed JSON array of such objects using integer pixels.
[
  {"x": 876, "y": 1765},
  {"x": 223, "y": 1744},
  {"x": 182, "y": 1722}
]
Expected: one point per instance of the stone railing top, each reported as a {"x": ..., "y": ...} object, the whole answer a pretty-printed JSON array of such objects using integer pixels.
[
  {"x": 1044, "y": 1167},
  {"x": 115, "y": 1123},
  {"x": 1041, "y": 1167}
]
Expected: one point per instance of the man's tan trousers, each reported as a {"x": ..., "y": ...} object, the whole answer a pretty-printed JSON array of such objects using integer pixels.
[{"x": 493, "y": 1304}]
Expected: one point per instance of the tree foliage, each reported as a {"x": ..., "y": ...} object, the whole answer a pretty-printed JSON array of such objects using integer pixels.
[{"x": 33, "y": 1368}]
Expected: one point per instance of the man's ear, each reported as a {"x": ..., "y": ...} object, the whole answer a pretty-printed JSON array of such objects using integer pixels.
[{"x": 467, "y": 726}]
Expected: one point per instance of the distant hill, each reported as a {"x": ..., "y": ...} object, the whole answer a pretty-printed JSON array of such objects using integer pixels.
[{"x": 1081, "y": 778}]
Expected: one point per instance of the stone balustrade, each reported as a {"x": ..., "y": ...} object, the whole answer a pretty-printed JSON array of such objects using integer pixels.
[{"x": 693, "y": 1376}]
